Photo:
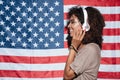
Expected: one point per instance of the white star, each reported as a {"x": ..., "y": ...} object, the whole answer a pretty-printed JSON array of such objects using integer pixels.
[
  {"x": 45, "y": 4},
  {"x": 35, "y": 34},
  {"x": 40, "y": 39},
  {"x": 46, "y": 24},
  {"x": 45, "y": 14},
  {"x": 40, "y": 29},
  {"x": 2, "y": 33},
  {"x": 24, "y": 34},
  {"x": 2, "y": 43},
  {"x": 56, "y": 3},
  {"x": 7, "y": 18},
  {"x": 29, "y": 19},
  {"x": 24, "y": 44},
  {"x": 12, "y": 3},
  {"x": 2, "y": 23},
  {"x": 29, "y": 9},
  {"x": 1, "y": 12},
  {"x": 57, "y": 24},
  {"x": 57, "y": 44},
  {"x": 51, "y": 9},
  {"x": 57, "y": 34},
  {"x": 13, "y": 33},
  {"x": 57, "y": 13},
  {"x": 41, "y": 19},
  {"x": 1, "y": 2},
  {"x": 13, "y": 43},
  {"x": 19, "y": 29},
  {"x": 30, "y": 39},
  {"x": 40, "y": 9},
  {"x": 51, "y": 19},
  {"x": 51, "y": 39},
  {"x": 35, "y": 24},
  {"x": 52, "y": 29},
  {"x": 7, "y": 7},
  {"x": 30, "y": 29},
  {"x": 18, "y": 39},
  {"x": 46, "y": 34},
  {"x": 46, "y": 44},
  {"x": 23, "y": 14},
  {"x": 12, "y": 13},
  {"x": 13, "y": 23},
  {"x": 18, "y": 18},
  {"x": 35, "y": 45},
  {"x": 7, "y": 28},
  {"x": 35, "y": 14},
  {"x": 24, "y": 24},
  {"x": 23, "y": 3},
  {"x": 34, "y": 4},
  {"x": 18, "y": 8},
  {"x": 7, "y": 38}
]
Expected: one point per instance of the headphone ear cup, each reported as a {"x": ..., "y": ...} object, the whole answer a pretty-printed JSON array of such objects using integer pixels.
[{"x": 86, "y": 27}]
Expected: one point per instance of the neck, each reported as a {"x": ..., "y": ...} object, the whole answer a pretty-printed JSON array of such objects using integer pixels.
[{"x": 81, "y": 46}]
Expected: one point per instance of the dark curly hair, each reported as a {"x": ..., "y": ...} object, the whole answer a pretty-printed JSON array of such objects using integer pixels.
[{"x": 96, "y": 22}]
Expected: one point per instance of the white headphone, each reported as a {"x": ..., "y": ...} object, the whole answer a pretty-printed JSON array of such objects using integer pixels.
[{"x": 85, "y": 25}]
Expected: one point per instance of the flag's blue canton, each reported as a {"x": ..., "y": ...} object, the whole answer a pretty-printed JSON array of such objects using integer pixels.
[{"x": 31, "y": 24}]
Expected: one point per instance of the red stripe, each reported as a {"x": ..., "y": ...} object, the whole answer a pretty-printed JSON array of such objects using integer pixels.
[
  {"x": 111, "y": 32},
  {"x": 31, "y": 74},
  {"x": 48, "y": 60},
  {"x": 107, "y": 17},
  {"x": 109, "y": 75},
  {"x": 93, "y": 2},
  {"x": 111, "y": 46},
  {"x": 106, "y": 32},
  {"x": 50, "y": 74},
  {"x": 112, "y": 61},
  {"x": 111, "y": 17},
  {"x": 105, "y": 46},
  {"x": 33, "y": 60}
]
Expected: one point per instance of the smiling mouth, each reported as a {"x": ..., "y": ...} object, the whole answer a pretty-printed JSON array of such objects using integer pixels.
[{"x": 71, "y": 30}]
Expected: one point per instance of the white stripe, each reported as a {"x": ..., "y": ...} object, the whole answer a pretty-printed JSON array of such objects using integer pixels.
[
  {"x": 62, "y": 52},
  {"x": 103, "y": 10},
  {"x": 37, "y": 53},
  {"x": 109, "y": 68},
  {"x": 32, "y": 67},
  {"x": 50, "y": 67},
  {"x": 106, "y": 39},
  {"x": 112, "y": 24},
  {"x": 108, "y": 24},
  {"x": 111, "y": 39},
  {"x": 110, "y": 53},
  {"x": 9, "y": 78}
]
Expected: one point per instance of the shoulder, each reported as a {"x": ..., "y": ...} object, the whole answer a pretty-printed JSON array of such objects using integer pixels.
[
  {"x": 91, "y": 49},
  {"x": 92, "y": 46}
]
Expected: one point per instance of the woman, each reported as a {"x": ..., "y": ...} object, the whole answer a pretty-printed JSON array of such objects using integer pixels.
[{"x": 85, "y": 45}]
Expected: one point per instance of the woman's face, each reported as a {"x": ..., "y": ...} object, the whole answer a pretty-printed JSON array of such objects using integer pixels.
[{"x": 74, "y": 24}]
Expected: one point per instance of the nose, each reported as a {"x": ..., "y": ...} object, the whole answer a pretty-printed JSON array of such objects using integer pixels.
[{"x": 69, "y": 25}]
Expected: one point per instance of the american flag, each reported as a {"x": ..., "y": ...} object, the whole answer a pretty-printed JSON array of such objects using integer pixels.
[{"x": 33, "y": 43}]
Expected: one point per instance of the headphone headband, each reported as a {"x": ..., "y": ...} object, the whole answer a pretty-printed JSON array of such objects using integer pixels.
[{"x": 85, "y": 25}]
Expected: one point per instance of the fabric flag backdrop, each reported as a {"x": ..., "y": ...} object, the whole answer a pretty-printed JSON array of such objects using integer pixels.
[{"x": 33, "y": 43}]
